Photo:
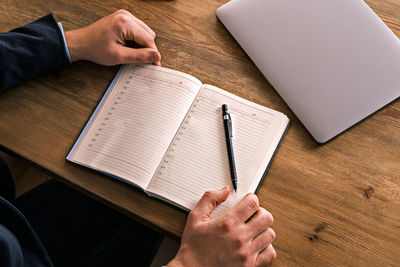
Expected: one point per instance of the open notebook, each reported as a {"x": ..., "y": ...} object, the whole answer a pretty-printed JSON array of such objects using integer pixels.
[{"x": 162, "y": 130}]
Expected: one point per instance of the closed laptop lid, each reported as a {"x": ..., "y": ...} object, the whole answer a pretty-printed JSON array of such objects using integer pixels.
[{"x": 334, "y": 62}]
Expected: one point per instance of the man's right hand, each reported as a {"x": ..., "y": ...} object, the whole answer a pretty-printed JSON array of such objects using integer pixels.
[{"x": 241, "y": 237}]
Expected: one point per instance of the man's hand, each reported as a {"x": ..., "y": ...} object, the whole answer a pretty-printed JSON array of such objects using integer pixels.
[
  {"x": 241, "y": 237},
  {"x": 105, "y": 41}
]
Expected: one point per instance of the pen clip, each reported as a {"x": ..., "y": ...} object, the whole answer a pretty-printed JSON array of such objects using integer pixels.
[
  {"x": 230, "y": 125},
  {"x": 227, "y": 116}
]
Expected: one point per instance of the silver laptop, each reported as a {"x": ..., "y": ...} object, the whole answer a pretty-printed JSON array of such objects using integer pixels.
[{"x": 334, "y": 62}]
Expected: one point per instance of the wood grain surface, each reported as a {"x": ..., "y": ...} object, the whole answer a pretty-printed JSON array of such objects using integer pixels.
[{"x": 335, "y": 204}]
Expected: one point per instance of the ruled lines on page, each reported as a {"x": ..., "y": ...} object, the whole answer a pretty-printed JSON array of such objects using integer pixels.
[
  {"x": 137, "y": 122},
  {"x": 197, "y": 160}
]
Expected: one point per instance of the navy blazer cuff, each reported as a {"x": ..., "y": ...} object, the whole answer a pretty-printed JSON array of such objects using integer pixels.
[{"x": 31, "y": 50}]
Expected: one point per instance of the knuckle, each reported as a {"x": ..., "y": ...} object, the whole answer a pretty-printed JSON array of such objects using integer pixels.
[
  {"x": 252, "y": 201},
  {"x": 269, "y": 254},
  {"x": 149, "y": 39},
  {"x": 140, "y": 57},
  {"x": 239, "y": 241},
  {"x": 263, "y": 217},
  {"x": 266, "y": 216},
  {"x": 193, "y": 214},
  {"x": 244, "y": 256},
  {"x": 273, "y": 254},
  {"x": 192, "y": 221},
  {"x": 122, "y": 18},
  {"x": 122, "y": 12},
  {"x": 270, "y": 218},
  {"x": 208, "y": 195},
  {"x": 227, "y": 225},
  {"x": 272, "y": 233}
]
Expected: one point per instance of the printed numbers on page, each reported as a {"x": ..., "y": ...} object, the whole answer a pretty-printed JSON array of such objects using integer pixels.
[{"x": 170, "y": 156}]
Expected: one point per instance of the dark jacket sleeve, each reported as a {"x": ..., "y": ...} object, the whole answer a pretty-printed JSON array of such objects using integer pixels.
[
  {"x": 19, "y": 244},
  {"x": 31, "y": 50}
]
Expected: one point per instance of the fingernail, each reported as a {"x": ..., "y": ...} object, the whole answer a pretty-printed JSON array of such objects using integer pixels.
[{"x": 223, "y": 188}]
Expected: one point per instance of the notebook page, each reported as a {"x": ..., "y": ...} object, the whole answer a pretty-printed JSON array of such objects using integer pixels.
[
  {"x": 197, "y": 160},
  {"x": 136, "y": 122}
]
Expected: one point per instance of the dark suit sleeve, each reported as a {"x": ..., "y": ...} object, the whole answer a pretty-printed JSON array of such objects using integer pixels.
[{"x": 31, "y": 50}]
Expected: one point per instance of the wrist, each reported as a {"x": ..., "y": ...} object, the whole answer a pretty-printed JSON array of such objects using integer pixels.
[
  {"x": 175, "y": 263},
  {"x": 75, "y": 44},
  {"x": 184, "y": 258},
  {"x": 178, "y": 261}
]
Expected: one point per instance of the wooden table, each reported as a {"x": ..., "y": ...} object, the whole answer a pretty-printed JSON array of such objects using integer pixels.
[{"x": 333, "y": 204}]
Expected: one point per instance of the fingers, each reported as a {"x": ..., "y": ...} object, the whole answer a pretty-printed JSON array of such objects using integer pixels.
[
  {"x": 260, "y": 222},
  {"x": 141, "y": 36},
  {"x": 134, "y": 29},
  {"x": 144, "y": 26},
  {"x": 134, "y": 55},
  {"x": 144, "y": 36},
  {"x": 135, "y": 25},
  {"x": 263, "y": 240},
  {"x": 208, "y": 203},
  {"x": 246, "y": 208},
  {"x": 266, "y": 256},
  {"x": 137, "y": 30}
]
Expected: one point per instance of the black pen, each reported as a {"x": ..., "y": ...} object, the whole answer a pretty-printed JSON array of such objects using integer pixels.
[{"x": 228, "y": 137}]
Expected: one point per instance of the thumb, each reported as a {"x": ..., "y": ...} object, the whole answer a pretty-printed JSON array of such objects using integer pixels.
[
  {"x": 209, "y": 202},
  {"x": 138, "y": 55}
]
